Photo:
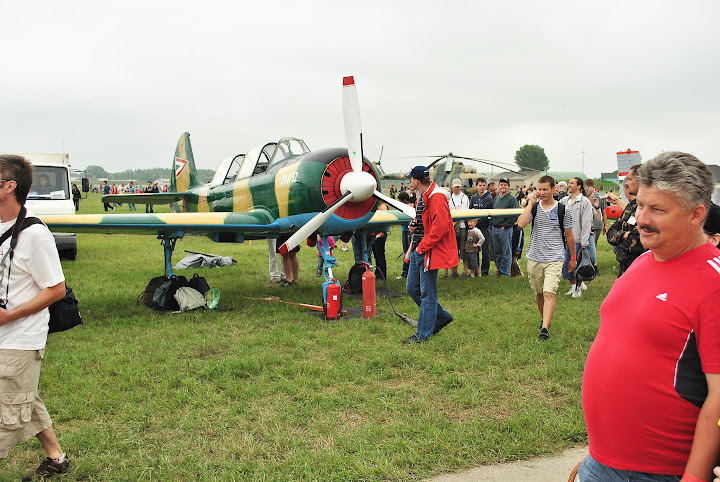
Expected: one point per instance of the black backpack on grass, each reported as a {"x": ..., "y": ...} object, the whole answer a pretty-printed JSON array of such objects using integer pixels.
[
  {"x": 164, "y": 297},
  {"x": 199, "y": 283},
  {"x": 353, "y": 285},
  {"x": 146, "y": 297}
]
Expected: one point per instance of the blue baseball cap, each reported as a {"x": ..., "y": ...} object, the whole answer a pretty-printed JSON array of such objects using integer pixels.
[{"x": 419, "y": 172}]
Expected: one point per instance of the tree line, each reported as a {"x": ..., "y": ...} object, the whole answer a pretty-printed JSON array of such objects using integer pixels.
[{"x": 141, "y": 175}]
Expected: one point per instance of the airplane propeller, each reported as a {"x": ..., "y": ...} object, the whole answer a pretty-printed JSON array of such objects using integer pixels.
[{"x": 356, "y": 185}]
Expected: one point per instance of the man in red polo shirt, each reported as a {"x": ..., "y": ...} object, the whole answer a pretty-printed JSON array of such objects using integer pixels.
[{"x": 651, "y": 388}]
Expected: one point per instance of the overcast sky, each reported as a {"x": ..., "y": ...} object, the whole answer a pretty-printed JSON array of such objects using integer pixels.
[{"x": 116, "y": 83}]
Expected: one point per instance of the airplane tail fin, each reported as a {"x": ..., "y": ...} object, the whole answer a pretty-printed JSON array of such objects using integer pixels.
[{"x": 185, "y": 174}]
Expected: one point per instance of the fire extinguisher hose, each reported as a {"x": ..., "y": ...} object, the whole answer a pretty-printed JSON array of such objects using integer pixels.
[{"x": 405, "y": 318}]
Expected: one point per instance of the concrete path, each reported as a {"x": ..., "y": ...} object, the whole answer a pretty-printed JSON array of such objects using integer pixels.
[{"x": 540, "y": 469}]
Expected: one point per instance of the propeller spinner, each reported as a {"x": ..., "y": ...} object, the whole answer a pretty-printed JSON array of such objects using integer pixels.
[{"x": 356, "y": 186}]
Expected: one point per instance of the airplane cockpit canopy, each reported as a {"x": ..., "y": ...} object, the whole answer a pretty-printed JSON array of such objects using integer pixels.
[
  {"x": 258, "y": 160},
  {"x": 287, "y": 148},
  {"x": 227, "y": 170}
]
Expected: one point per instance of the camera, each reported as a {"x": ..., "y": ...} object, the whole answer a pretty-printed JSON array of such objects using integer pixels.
[{"x": 3, "y": 305}]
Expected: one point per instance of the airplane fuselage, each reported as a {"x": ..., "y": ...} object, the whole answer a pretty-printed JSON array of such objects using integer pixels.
[{"x": 292, "y": 191}]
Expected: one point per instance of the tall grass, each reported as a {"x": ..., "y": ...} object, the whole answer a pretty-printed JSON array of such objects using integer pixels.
[{"x": 265, "y": 391}]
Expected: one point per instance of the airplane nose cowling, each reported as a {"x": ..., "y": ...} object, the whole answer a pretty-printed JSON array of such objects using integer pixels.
[
  {"x": 333, "y": 188},
  {"x": 361, "y": 184}
]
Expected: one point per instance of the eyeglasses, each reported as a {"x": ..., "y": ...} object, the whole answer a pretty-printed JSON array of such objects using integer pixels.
[{"x": 7, "y": 180}]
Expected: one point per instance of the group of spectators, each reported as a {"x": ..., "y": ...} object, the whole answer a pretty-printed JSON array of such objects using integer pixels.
[{"x": 130, "y": 188}]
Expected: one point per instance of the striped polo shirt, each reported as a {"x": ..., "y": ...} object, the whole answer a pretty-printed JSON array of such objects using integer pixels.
[
  {"x": 546, "y": 242},
  {"x": 419, "y": 228}
]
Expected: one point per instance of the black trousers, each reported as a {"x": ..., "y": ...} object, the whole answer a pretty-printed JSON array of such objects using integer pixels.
[
  {"x": 485, "y": 263},
  {"x": 378, "y": 252}
]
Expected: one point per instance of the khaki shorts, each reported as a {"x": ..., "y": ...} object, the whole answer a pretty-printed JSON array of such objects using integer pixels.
[
  {"x": 22, "y": 414},
  {"x": 544, "y": 277}
]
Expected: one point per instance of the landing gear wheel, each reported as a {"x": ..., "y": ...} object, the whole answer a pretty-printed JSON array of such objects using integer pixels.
[{"x": 68, "y": 254}]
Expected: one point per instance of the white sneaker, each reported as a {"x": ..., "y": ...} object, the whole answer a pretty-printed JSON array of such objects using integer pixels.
[
  {"x": 577, "y": 294},
  {"x": 572, "y": 290},
  {"x": 583, "y": 286}
]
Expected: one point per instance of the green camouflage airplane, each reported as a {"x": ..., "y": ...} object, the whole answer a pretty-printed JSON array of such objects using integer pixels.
[{"x": 279, "y": 190}]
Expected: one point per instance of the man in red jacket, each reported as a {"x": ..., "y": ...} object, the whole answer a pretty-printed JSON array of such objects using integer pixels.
[{"x": 433, "y": 247}]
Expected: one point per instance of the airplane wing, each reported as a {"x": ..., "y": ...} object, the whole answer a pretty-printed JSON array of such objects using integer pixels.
[
  {"x": 252, "y": 224},
  {"x": 464, "y": 214},
  {"x": 257, "y": 223},
  {"x": 392, "y": 217},
  {"x": 146, "y": 198}
]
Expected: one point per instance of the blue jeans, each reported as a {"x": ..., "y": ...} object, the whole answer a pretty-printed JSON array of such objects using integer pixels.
[
  {"x": 591, "y": 470},
  {"x": 422, "y": 288},
  {"x": 593, "y": 256},
  {"x": 502, "y": 239}
]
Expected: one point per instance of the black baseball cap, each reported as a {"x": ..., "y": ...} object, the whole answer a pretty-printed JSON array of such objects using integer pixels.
[
  {"x": 505, "y": 180},
  {"x": 712, "y": 220},
  {"x": 419, "y": 172}
]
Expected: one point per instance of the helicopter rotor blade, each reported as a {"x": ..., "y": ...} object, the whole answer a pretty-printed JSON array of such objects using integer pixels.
[{"x": 489, "y": 163}]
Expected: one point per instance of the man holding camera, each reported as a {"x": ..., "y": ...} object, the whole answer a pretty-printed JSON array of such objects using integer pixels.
[{"x": 31, "y": 279}]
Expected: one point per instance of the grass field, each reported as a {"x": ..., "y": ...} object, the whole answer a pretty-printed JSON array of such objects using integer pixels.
[{"x": 265, "y": 391}]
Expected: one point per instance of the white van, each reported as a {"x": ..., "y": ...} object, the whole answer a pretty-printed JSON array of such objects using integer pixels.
[{"x": 50, "y": 193}]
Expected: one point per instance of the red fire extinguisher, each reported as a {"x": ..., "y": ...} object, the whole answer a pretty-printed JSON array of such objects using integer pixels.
[
  {"x": 333, "y": 301},
  {"x": 368, "y": 289}
]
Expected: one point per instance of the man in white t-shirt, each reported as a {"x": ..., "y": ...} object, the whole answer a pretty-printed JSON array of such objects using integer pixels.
[
  {"x": 459, "y": 200},
  {"x": 31, "y": 280},
  {"x": 546, "y": 250}
]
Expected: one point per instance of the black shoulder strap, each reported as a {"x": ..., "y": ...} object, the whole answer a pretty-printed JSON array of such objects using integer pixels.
[
  {"x": 26, "y": 222},
  {"x": 23, "y": 222},
  {"x": 561, "y": 218}
]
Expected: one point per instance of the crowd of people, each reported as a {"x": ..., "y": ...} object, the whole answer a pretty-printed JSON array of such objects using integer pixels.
[
  {"x": 500, "y": 239},
  {"x": 129, "y": 188},
  {"x": 651, "y": 386}
]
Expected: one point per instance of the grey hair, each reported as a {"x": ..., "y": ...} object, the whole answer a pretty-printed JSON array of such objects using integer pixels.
[{"x": 681, "y": 175}]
